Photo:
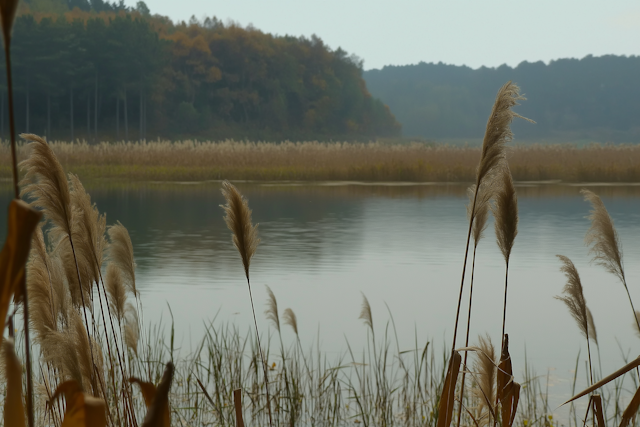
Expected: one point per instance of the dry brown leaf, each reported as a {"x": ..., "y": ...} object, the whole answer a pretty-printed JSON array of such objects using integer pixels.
[
  {"x": 23, "y": 220},
  {"x": 510, "y": 405},
  {"x": 597, "y": 407},
  {"x": 626, "y": 368},
  {"x": 631, "y": 410},
  {"x": 13, "y": 406},
  {"x": 83, "y": 410},
  {"x": 445, "y": 412},
  {"x": 148, "y": 390},
  {"x": 504, "y": 377},
  {"x": 157, "y": 399}
]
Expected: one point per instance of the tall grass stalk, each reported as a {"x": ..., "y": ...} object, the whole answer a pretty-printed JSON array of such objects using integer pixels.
[{"x": 8, "y": 10}]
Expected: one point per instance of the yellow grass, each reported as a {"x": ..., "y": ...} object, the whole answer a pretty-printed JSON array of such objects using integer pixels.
[{"x": 313, "y": 161}]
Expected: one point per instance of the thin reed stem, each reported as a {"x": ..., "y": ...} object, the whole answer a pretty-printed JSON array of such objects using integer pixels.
[
  {"x": 466, "y": 342},
  {"x": 504, "y": 310},
  {"x": 264, "y": 363},
  {"x": 464, "y": 266}
]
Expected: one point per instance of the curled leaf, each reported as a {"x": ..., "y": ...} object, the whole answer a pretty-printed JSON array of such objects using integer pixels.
[
  {"x": 157, "y": 399},
  {"x": 83, "y": 410},
  {"x": 23, "y": 220},
  {"x": 445, "y": 412}
]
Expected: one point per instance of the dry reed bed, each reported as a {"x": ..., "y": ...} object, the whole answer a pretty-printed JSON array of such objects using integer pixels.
[{"x": 313, "y": 161}]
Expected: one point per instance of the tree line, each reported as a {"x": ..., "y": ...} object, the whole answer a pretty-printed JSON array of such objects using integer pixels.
[
  {"x": 593, "y": 98},
  {"x": 98, "y": 70}
]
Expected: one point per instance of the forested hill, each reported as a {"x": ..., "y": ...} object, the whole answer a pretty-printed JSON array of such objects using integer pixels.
[
  {"x": 594, "y": 98},
  {"x": 98, "y": 70}
]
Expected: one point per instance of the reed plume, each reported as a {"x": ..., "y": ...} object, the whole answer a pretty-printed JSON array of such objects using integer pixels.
[
  {"x": 43, "y": 315},
  {"x": 46, "y": 183},
  {"x": 245, "y": 239},
  {"x": 131, "y": 328},
  {"x": 121, "y": 254},
  {"x": 238, "y": 219},
  {"x": 116, "y": 291},
  {"x": 497, "y": 134},
  {"x": 602, "y": 238},
  {"x": 505, "y": 212},
  {"x": 365, "y": 313},
  {"x": 484, "y": 389},
  {"x": 88, "y": 228},
  {"x": 577, "y": 305},
  {"x": 289, "y": 318},
  {"x": 272, "y": 309}
]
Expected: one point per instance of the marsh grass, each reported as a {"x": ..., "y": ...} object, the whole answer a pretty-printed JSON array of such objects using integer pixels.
[{"x": 314, "y": 161}]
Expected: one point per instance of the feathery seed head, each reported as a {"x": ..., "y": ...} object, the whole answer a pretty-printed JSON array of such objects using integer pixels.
[
  {"x": 290, "y": 319},
  {"x": 46, "y": 183},
  {"x": 121, "y": 254},
  {"x": 238, "y": 219},
  {"x": 505, "y": 212},
  {"x": 116, "y": 291},
  {"x": 131, "y": 328},
  {"x": 498, "y": 131},
  {"x": 484, "y": 389},
  {"x": 483, "y": 203},
  {"x": 272, "y": 308},
  {"x": 574, "y": 299},
  {"x": 602, "y": 237},
  {"x": 365, "y": 313}
]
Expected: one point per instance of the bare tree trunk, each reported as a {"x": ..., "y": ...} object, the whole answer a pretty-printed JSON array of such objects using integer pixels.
[
  {"x": 117, "y": 116},
  {"x": 71, "y": 113},
  {"x": 2, "y": 117},
  {"x": 88, "y": 117},
  {"x": 95, "y": 111},
  {"x": 49, "y": 114},
  {"x": 141, "y": 136},
  {"x": 126, "y": 119},
  {"x": 27, "y": 127}
]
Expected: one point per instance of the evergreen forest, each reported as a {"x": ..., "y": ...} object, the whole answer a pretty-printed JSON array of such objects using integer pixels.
[
  {"x": 96, "y": 70},
  {"x": 588, "y": 99}
]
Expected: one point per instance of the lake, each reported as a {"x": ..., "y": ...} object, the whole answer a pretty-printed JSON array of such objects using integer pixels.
[{"x": 324, "y": 245}]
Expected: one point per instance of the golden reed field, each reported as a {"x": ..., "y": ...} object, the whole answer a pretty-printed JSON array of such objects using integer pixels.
[{"x": 335, "y": 161}]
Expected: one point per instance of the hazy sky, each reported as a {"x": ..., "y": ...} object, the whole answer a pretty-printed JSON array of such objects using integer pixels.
[{"x": 470, "y": 32}]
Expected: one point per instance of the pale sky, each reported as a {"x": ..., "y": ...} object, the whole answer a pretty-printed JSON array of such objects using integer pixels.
[{"x": 469, "y": 32}]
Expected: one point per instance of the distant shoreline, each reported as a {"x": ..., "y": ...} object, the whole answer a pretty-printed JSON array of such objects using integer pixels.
[{"x": 336, "y": 163}]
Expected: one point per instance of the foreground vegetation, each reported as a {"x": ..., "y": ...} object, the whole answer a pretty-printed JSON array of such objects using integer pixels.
[{"x": 314, "y": 161}]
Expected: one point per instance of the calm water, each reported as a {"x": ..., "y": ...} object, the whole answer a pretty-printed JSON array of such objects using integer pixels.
[{"x": 402, "y": 246}]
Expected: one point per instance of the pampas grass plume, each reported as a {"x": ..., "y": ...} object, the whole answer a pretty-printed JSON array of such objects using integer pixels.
[
  {"x": 498, "y": 131},
  {"x": 574, "y": 299},
  {"x": 505, "y": 212},
  {"x": 272, "y": 308},
  {"x": 365, "y": 313},
  {"x": 238, "y": 219},
  {"x": 289, "y": 318},
  {"x": 602, "y": 237},
  {"x": 121, "y": 254}
]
